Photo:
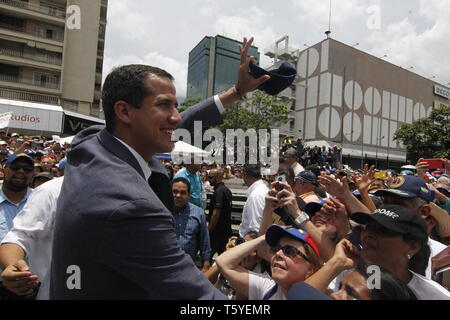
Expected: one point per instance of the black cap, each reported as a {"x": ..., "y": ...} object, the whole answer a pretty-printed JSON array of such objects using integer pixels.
[
  {"x": 308, "y": 177},
  {"x": 280, "y": 78},
  {"x": 396, "y": 218}
]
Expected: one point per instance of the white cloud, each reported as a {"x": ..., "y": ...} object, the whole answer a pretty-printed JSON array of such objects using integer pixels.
[
  {"x": 425, "y": 50},
  {"x": 175, "y": 68},
  {"x": 253, "y": 23},
  {"x": 318, "y": 12},
  {"x": 128, "y": 23},
  {"x": 209, "y": 8}
]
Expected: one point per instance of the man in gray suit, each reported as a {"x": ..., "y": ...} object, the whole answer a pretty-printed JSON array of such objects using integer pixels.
[{"x": 114, "y": 231}]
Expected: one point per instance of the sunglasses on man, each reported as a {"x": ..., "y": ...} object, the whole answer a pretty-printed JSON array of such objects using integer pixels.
[
  {"x": 289, "y": 251},
  {"x": 17, "y": 167}
]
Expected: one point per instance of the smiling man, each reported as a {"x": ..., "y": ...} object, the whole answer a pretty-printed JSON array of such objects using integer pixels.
[
  {"x": 13, "y": 195},
  {"x": 118, "y": 240}
]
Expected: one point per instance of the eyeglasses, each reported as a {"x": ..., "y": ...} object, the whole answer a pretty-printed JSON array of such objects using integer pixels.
[
  {"x": 16, "y": 167},
  {"x": 289, "y": 251}
]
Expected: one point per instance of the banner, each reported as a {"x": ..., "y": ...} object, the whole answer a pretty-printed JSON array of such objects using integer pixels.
[{"x": 4, "y": 119}]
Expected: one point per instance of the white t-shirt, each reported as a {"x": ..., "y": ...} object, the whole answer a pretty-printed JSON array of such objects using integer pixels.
[
  {"x": 426, "y": 289},
  {"x": 254, "y": 206},
  {"x": 33, "y": 231},
  {"x": 435, "y": 247},
  {"x": 259, "y": 284}
]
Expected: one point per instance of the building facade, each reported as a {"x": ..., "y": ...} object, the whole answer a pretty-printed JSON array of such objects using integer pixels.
[
  {"x": 213, "y": 65},
  {"x": 51, "y": 54},
  {"x": 344, "y": 96}
]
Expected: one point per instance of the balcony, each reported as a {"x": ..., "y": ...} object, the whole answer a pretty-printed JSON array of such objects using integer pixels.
[
  {"x": 44, "y": 10},
  {"x": 27, "y": 96},
  {"x": 39, "y": 58},
  {"x": 18, "y": 80},
  {"x": 33, "y": 36}
]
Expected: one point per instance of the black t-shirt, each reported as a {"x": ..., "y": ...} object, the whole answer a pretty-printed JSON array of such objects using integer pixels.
[{"x": 221, "y": 199}]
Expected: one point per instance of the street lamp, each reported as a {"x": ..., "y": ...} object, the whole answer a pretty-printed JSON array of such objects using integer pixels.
[{"x": 384, "y": 56}]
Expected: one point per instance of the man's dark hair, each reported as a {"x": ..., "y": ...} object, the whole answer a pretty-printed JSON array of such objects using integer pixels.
[
  {"x": 183, "y": 180},
  {"x": 253, "y": 170},
  {"x": 127, "y": 83}
]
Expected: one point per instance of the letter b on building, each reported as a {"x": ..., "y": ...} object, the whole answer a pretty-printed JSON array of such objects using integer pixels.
[{"x": 74, "y": 280}]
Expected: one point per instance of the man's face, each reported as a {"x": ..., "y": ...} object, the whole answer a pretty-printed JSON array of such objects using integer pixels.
[
  {"x": 382, "y": 246},
  {"x": 153, "y": 123},
  {"x": 18, "y": 175},
  {"x": 180, "y": 194},
  {"x": 193, "y": 168}
]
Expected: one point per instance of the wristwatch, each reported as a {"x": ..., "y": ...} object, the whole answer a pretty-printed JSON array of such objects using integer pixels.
[{"x": 300, "y": 220}]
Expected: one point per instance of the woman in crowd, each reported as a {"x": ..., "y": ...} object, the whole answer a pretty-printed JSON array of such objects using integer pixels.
[
  {"x": 396, "y": 238},
  {"x": 294, "y": 258},
  {"x": 364, "y": 282}
]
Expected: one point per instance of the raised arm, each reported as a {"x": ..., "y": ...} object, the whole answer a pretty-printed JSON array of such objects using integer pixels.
[
  {"x": 229, "y": 264},
  {"x": 342, "y": 192}
]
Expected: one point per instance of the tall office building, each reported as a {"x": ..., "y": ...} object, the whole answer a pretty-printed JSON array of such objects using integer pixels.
[
  {"x": 213, "y": 65},
  {"x": 51, "y": 59},
  {"x": 344, "y": 96}
]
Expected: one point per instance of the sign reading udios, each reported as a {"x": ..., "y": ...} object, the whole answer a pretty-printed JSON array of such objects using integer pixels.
[{"x": 33, "y": 116}]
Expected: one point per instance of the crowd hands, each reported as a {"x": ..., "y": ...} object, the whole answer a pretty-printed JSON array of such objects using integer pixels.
[{"x": 347, "y": 219}]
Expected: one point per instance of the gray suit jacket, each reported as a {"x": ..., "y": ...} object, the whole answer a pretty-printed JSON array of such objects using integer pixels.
[{"x": 114, "y": 228}]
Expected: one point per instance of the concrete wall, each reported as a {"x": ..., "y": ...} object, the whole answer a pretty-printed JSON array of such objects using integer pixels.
[{"x": 80, "y": 54}]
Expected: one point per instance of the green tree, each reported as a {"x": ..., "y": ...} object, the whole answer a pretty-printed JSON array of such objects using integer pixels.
[
  {"x": 188, "y": 103},
  {"x": 261, "y": 111},
  {"x": 428, "y": 137}
]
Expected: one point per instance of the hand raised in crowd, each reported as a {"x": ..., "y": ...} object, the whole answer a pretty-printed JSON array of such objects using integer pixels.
[
  {"x": 421, "y": 168},
  {"x": 271, "y": 200},
  {"x": 231, "y": 243},
  {"x": 335, "y": 187},
  {"x": 364, "y": 181},
  {"x": 18, "y": 279},
  {"x": 288, "y": 201},
  {"x": 345, "y": 255}
]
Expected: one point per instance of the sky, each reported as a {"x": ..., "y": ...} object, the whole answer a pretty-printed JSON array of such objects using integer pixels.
[{"x": 411, "y": 33}]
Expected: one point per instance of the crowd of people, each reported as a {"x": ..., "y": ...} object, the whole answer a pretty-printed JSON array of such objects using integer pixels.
[{"x": 114, "y": 222}]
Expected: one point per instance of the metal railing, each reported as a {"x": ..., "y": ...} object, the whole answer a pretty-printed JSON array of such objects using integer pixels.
[
  {"x": 40, "y": 58},
  {"x": 54, "y": 12},
  {"x": 39, "y": 83},
  {"x": 27, "y": 96},
  {"x": 35, "y": 33}
]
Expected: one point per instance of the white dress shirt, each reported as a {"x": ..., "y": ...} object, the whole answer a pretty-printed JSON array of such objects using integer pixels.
[
  {"x": 253, "y": 208},
  {"x": 33, "y": 231}
]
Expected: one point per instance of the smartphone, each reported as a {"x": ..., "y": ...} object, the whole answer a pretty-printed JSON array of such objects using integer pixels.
[
  {"x": 434, "y": 163},
  {"x": 381, "y": 175},
  {"x": 281, "y": 178},
  {"x": 355, "y": 238}
]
